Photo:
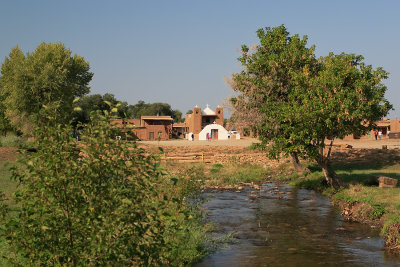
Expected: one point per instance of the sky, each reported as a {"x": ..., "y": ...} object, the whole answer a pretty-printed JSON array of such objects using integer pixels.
[{"x": 180, "y": 52}]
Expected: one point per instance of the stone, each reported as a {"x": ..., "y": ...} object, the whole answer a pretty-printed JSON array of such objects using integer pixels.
[{"x": 387, "y": 182}]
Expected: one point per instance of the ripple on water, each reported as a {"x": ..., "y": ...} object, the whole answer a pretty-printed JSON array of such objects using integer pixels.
[{"x": 282, "y": 226}]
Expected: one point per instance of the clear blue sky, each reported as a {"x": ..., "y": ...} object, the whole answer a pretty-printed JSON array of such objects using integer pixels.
[{"x": 179, "y": 51}]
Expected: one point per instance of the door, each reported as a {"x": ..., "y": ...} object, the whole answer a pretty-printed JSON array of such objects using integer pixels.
[
  {"x": 151, "y": 135},
  {"x": 214, "y": 134}
]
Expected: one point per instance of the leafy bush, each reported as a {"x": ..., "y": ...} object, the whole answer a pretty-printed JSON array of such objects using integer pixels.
[
  {"x": 377, "y": 211},
  {"x": 99, "y": 202},
  {"x": 391, "y": 232}
]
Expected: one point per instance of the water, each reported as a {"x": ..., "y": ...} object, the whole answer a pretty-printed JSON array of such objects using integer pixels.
[{"x": 282, "y": 226}]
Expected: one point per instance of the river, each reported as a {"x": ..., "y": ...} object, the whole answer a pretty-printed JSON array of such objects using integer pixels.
[{"x": 278, "y": 225}]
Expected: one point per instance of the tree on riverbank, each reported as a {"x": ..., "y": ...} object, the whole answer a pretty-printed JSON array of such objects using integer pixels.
[
  {"x": 268, "y": 79},
  {"x": 320, "y": 99}
]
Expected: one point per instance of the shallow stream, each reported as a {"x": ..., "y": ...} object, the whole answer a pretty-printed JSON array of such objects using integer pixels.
[{"x": 278, "y": 225}]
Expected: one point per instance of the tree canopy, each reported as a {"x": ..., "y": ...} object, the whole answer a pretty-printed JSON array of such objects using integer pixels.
[
  {"x": 153, "y": 109},
  {"x": 267, "y": 79},
  {"x": 89, "y": 103},
  {"x": 50, "y": 75},
  {"x": 303, "y": 101}
]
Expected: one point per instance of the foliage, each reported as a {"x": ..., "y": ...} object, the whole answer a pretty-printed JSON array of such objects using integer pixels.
[
  {"x": 391, "y": 232},
  {"x": 97, "y": 102},
  {"x": 99, "y": 202},
  {"x": 269, "y": 69},
  {"x": 153, "y": 109},
  {"x": 5, "y": 125},
  {"x": 304, "y": 101},
  {"x": 50, "y": 75}
]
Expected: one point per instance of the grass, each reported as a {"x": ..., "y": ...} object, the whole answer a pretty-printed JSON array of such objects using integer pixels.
[
  {"x": 12, "y": 141},
  {"x": 228, "y": 174},
  {"x": 8, "y": 187}
]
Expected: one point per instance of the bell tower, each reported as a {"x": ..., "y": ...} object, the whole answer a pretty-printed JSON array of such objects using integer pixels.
[
  {"x": 219, "y": 115},
  {"x": 196, "y": 119}
]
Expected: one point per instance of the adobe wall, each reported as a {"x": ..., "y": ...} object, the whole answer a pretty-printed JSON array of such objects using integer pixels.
[
  {"x": 219, "y": 112},
  {"x": 395, "y": 126},
  {"x": 144, "y": 133}
]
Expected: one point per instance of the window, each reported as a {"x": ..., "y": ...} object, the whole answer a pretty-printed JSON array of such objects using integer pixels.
[
  {"x": 219, "y": 111},
  {"x": 197, "y": 112}
]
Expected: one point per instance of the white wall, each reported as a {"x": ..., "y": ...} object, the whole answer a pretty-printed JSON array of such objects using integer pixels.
[{"x": 222, "y": 132}]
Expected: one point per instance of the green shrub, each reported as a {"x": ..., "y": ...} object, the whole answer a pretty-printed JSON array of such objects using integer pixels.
[
  {"x": 100, "y": 202},
  {"x": 318, "y": 184},
  {"x": 391, "y": 232},
  {"x": 377, "y": 211}
]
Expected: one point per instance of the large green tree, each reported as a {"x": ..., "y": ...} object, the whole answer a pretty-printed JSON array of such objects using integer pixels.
[
  {"x": 346, "y": 97},
  {"x": 302, "y": 102},
  {"x": 50, "y": 76},
  {"x": 270, "y": 68}
]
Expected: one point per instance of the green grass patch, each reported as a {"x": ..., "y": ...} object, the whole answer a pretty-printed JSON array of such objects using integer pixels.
[
  {"x": 12, "y": 141},
  {"x": 235, "y": 173}
]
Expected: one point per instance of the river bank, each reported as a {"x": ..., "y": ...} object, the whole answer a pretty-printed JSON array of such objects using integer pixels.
[
  {"x": 234, "y": 167},
  {"x": 355, "y": 162}
]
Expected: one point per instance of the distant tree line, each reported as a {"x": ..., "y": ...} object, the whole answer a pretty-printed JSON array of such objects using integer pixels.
[{"x": 90, "y": 103}]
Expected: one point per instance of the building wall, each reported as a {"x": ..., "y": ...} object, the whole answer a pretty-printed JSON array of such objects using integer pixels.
[
  {"x": 395, "y": 126},
  {"x": 197, "y": 121},
  {"x": 219, "y": 112},
  {"x": 146, "y": 131}
]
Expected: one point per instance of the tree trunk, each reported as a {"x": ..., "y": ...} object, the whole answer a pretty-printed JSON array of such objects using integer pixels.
[
  {"x": 296, "y": 163},
  {"x": 330, "y": 175}
]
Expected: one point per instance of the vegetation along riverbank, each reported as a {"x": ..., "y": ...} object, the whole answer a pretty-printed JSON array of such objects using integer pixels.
[
  {"x": 234, "y": 167},
  {"x": 361, "y": 200}
]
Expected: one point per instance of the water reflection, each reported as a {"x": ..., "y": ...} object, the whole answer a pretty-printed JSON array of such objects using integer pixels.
[{"x": 281, "y": 226}]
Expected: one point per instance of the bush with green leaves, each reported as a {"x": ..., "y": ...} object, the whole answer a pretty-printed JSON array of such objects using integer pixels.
[{"x": 99, "y": 202}]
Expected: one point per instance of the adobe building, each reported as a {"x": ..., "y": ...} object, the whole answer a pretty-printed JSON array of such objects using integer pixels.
[
  {"x": 207, "y": 121},
  {"x": 389, "y": 128},
  {"x": 148, "y": 127}
]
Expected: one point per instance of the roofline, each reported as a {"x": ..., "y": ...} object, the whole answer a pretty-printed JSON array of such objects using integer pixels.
[{"x": 163, "y": 118}]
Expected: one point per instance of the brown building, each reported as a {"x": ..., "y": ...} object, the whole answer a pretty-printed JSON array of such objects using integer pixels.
[
  {"x": 199, "y": 119},
  {"x": 148, "y": 127},
  {"x": 388, "y": 128}
]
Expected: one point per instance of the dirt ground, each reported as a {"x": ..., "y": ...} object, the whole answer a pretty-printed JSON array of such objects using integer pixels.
[
  {"x": 229, "y": 146},
  {"x": 245, "y": 142},
  {"x": 7, "y": 153}
]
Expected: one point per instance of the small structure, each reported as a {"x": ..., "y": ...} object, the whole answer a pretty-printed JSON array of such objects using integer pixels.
[
  {"x": 388, "y": 128},
  {"x": 148, "y": 127},
  {"x": 387, "y": 182},
  {"x": 179, "y": 129},
  {"x": 201, "y": 122}
]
